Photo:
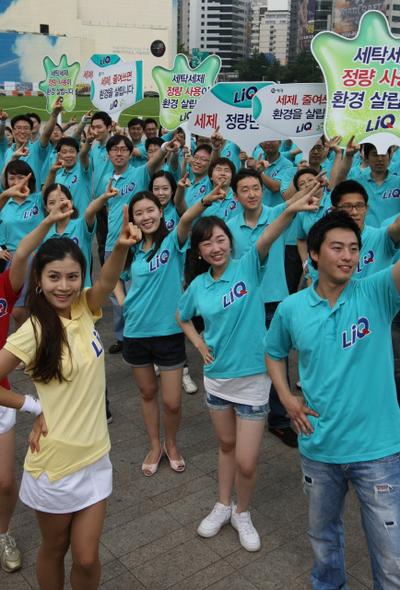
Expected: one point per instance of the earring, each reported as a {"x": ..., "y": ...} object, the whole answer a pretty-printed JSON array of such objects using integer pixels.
[
  {"x": 199, "y": 257},
  {"x": 38, "y": 290}
]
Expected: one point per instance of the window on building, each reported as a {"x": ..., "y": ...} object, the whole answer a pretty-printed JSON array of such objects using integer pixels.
[{"x": 44, "y": 29}]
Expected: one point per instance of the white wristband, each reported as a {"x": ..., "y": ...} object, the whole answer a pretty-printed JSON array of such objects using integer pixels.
[
  {"x": 32, "y": 406},
  {"x": 164, "y": 149},
  {"x": 305, "y": 264},
  {"x": 84, "y": 120},
  {"x": 4, "y": 123}
]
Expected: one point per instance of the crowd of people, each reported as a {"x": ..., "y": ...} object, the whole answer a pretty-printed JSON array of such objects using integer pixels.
[{"x": 267, "y": 249}]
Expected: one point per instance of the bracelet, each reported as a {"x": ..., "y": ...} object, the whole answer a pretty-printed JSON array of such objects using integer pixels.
[
  {"x": 84, "y": 120},
  {"x": 205, "y": 204},
  {"x": 164, "y": 149},
  {"x": 53, "y": 115},
  {"x": 32, "y": 406},
  {"x": 4, "y": 123},
  {"x": 216, "y": 149}
]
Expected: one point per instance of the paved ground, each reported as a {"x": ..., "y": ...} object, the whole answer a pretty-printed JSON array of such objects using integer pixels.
[{"x": 149, "y": 539}]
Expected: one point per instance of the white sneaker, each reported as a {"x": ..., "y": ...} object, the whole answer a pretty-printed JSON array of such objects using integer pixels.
[
  {"x": 10, "y": 555},
  {"x": 157, "y": 371},
  {"x": 212, "y": 524},
  {"x": 187, "y": 382},
  {"x": 248, "y": 536}
]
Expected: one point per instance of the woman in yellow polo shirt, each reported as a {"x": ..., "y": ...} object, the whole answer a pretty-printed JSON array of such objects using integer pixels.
[{"x": 69, "y": 477}]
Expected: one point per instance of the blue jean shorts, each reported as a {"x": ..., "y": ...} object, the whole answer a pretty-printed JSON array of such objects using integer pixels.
[
  {"x": 167, "y": 352},
  {"x": 244, "y": 411}
]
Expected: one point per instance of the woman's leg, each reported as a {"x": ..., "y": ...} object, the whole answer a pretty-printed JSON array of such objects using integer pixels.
[
  {"x": 171, "y": 392},
  {"x": 56, "y": 530},
  {"x": 249, "y": 434},
  {"x": 8, "y": 486},
  {"x": 224, "y": 423},
  {"x": 86, "y": 529},
  {"x": 146, "y": 381}
]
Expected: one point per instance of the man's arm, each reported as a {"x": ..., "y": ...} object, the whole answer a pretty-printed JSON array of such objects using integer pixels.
[
  {"x": 394, "y": 231},
  {"x": 48, "y": 130},
  {"x": 341, "y": 168},
  {"x": 3, "y": 119}
]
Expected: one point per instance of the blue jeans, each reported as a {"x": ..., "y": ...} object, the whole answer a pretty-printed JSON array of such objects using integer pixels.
[
  {"x": 396, "y": 352},
  {"x": 277, "y": 417},
  {"x": 117, "y": 309},
  {"x": 377, "y": 484}
]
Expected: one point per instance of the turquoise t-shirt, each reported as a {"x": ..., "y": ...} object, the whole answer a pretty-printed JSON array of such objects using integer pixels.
[
  {"x": 51, "y": 157},
  {"x": 346, "y": 368},
  {"x": 100, "y": 166},
  {"x": 275, "y": 171},
  {"x": 232, "y": 151},
  {"x": 35, "y": 159},
  {"x": 3, "y": 151},
  {"x": 274, "y": 285},
  {"x": 152, "y": 300},
  {"x": 79, "y": 182},
  {"x": 78, "y": 231},
  {"x": 19, "y": 220},
  {"x": 197, "y": 191},
  {"x": 137, "y": 162},
  {"x": 171, "y": 216},
  {"x": 383, "y": 201},
  {"x": 225, "y": 209},
  {"x": 234, "y": 317},
  {"x": 132, "y": 181}
]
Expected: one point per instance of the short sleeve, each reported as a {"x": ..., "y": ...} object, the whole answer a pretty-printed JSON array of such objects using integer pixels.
[
  {"x": 188, "y": 304},
  {"x": 278, "y": 341}
]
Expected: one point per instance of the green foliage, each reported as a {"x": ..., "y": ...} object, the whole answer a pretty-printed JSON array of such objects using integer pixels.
[{"x": 258, "y": 67}]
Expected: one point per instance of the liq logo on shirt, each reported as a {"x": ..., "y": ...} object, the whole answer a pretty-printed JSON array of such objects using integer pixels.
[
  {"x": 158, "y": 260},
  {"x": 357, "y": 332},
  {"x": 237, "y": 292}
]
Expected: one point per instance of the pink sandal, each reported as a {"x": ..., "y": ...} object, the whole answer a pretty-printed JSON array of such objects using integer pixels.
[
  {"x": 151, "y": 467},
  {"x": 178, "y": 466}
]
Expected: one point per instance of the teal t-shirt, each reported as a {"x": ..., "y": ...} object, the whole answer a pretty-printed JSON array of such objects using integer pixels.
[
  {"x": 383, "y": 200},
  {"x": 234, "y": 317},
  {"x": 152, "y": 300},
  {"x": 79, "y": 182},
  {"x": 275, "y": 171},
  {"x": 346, "y": 368},
  {"x": 226, "y": 209},
  {"x": 100, "y": 166},
  {"x": 19, "y": 220},
  {"x": 35, "y": 159},
  {"x": 274, "y": 285},
  {"x": 171, "y": 216}
]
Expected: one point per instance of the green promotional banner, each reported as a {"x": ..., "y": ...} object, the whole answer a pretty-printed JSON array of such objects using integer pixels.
[
  {"x": 363, "y": 80},
  {"x": 182, "y": 87},
  {"x": 60, "y": 82}
]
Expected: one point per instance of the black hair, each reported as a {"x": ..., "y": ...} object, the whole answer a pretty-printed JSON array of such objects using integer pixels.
[
  {"x": 69, "y": 142},
  {"x": 51, "y": 338},
  {"x": 102, "y": 116},
  {"x": 23, "y": 168},
  {"x": 202, "y": 231},
  {"x": 346, "y": 187},
  {"x": 135, "y": 121},
  {"x": 153, "y": 140},
  {"x": 300, "y": 173},
  {"x": 158, "y": 235},
  {"x": 222, "y": 162},
  {"x": 169, "y": 177},
  {"x": 53, "y": 187},
  {"x": 17, "y": 118},
  {"x": 333, "y": 220},
  {"x": 148, "y": 121},
  {"x": 245, "y": 173},
  {"x": 34, "y": 116},
  {"x": 116, "y": 139},
  {"x": 203, "y": 146},
  {"x": 368, "y": 147}
]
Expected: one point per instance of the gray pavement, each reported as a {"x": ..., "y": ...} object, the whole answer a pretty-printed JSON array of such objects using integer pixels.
[{"x": 149, "y": 539}]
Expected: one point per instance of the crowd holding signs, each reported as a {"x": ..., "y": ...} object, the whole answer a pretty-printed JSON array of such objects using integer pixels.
[{"x": 291, "y": 198}]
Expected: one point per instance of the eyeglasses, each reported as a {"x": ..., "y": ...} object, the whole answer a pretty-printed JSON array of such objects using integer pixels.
[
  {"x": 18, "y": 128},
  {"x": 117, "y": 150},
  {"x": 224, "y": 170},
  {"x": 202, "y": 160},
  {"x": 317, "y": 148},
  {"x": 349, "y": 208}
]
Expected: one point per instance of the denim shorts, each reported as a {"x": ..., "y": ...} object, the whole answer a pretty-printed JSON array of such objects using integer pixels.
[
  {"x": 167, "y": 352},
  {"x": 246, "y": 412}
]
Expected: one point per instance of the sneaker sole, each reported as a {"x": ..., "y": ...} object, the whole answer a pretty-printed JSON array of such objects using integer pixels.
[{"x": 209, "y": 534}]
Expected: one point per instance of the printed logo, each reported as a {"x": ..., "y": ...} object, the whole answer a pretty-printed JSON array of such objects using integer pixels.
[
  {"x": 3, "y": 307},
  {"x": 97, "y": 344},
  {"x": 392, "y": 194},
  {"x": 76, "y": 240},
  {"x": 200, "y": 192},
  {"x": 237, "y": 292},
  {"x": 369, "y": 258},
  {"x": 170, "y": 224},
  {"x": 31, "y": 213},
  {"x": 158, "y": 260},
  {"x": 357, "y": 332},
  {"x": 74, "y": 180},
  {"x": 127, "y": 189}
]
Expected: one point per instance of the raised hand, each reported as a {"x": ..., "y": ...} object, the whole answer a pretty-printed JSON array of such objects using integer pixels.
[
  {"x": 21, "y": 190},
  {"x": 216, "y": 139},
  {"x": 57, "y": 164},
  {"x": 111, "y": 191},
  {"x": 61, "y": 209},
  {"x": 184, "y": 182},
  {"x": 3, "y": 115},
  {"x": 351, "y": 147},
  {"x": 58, "y": 107},
  {"x": 215, "y": 195},
  {"x": 22, "y": 152},
  {"x": 261, "y": 165},
  {"x": 130, "y": 234}
]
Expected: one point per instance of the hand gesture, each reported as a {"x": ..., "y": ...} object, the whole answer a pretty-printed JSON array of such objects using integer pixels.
[
  {"x": 302, "y": 164},
  {"x": 352, "y": 148},
  {"x": 89, "y": 114},
  {"x": 205, "y": 353},
  {"x": 322, "y": 179},
  {"x": 72, "y": 120},
  {"x": 186, "y": 155},
  {"x": 171, "y": 146},
  {"x": 298, "y": 412},
  {"x": 111, "y": 191},
  {"x": 58, "y": 106},
  {"x": 130, "y": 233},
  {"x": 215, "y": 195},
  {"x": 22, "y": 152},
  {"x": 184, "y": 182},
  {"x": 3, "y": 115},
  {"x": 90, "y": 136},
  {"x": 21, "y": 190},
  {"x": 243, "y": 156},
  {"x": 39, "y": 428},
  {"x": 115, "y": 128},
  {"x": 261, "y": 165},
  {"x": 62, "y": 209},
  {"x": 57, "y": 164},
  {"x": 251, "y": 163},
  {"x": 216, "y": 139},
  {"x": 333, "y": 144},
  {"x": 307, "y": 202}
]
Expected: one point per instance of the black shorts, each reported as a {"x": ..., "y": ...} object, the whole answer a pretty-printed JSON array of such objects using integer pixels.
[{"x": 167, "y": 352}]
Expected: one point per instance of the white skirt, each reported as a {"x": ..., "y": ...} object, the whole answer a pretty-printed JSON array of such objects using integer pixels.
[
  {"x": 74, "y": 492},
  {"x": 7, "y": 419}
]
